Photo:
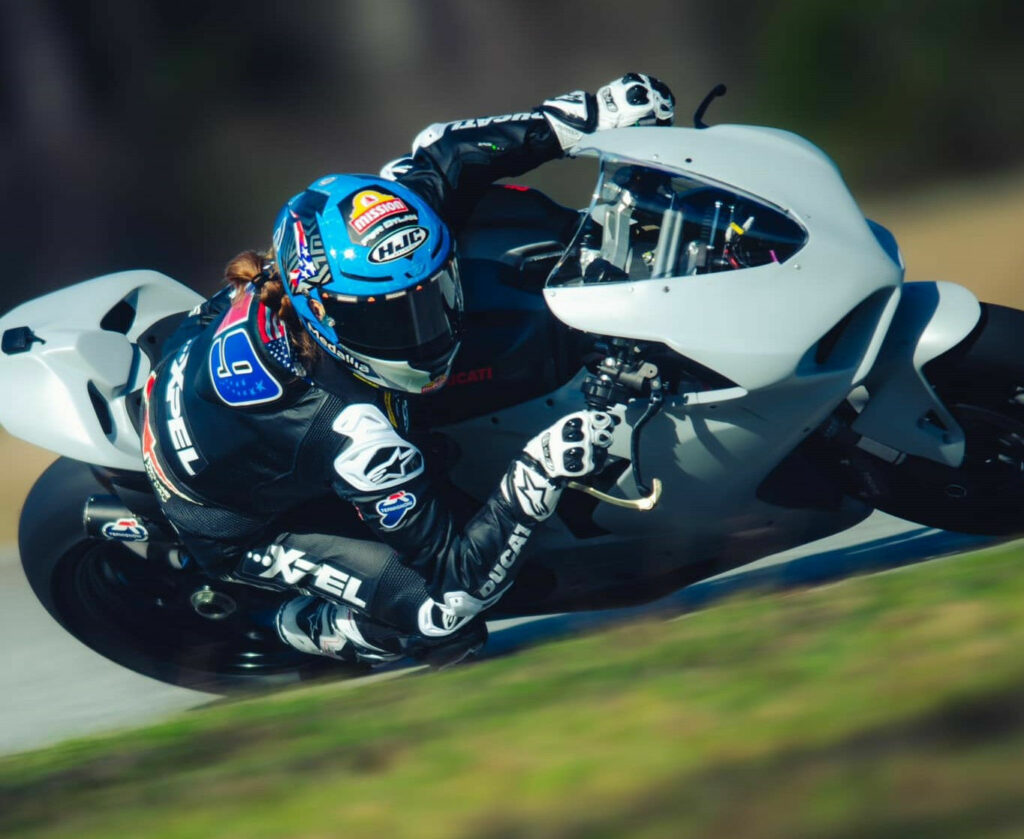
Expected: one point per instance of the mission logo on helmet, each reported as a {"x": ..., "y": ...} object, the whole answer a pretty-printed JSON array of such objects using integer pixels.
[{"x": 371, "y": 206}]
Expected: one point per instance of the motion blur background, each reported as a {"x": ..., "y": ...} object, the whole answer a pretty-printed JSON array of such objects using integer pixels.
[{"x": 167, "y": 134}]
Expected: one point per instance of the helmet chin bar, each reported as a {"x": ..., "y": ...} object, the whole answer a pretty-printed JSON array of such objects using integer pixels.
[
  {"x": 395, "y": 375},
  {"x": 387, "y": 373}
]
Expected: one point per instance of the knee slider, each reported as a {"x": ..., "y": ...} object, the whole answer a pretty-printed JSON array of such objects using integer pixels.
[{"x": 452, "y": 648}]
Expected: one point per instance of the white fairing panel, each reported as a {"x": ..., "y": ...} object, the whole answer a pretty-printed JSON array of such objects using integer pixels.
[
  {"x": 58, "y": 390},
  {"x": 752, "y": 325},
  {"x": 904, "y": 413}
]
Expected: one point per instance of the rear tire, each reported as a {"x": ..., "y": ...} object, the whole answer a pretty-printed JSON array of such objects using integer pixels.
[{"x": 138, "y": 612}]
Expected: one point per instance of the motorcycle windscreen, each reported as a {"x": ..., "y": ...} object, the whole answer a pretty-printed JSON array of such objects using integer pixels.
[{"x": 646, "y": 223}]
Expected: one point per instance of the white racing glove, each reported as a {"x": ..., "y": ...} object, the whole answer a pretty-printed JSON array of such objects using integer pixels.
[
  {"x": 394, "y": 169},
  {"x": 573, "y": 447},
  {"x": 635, "y": 99}
]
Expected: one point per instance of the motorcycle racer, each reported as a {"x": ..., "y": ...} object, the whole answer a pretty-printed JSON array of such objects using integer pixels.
[{"x": 296, "y": 380}]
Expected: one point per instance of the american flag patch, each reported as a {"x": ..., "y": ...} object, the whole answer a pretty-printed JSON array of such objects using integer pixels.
[
  {"x": 274, "y": 336},
  {"x": 305, "y": 270}
]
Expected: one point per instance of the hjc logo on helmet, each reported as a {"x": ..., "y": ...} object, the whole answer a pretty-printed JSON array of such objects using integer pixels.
[{"x": 400, "y": 243}]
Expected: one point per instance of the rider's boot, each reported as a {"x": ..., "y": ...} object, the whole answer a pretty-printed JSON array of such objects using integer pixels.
[{"x": 320, "y": 627}]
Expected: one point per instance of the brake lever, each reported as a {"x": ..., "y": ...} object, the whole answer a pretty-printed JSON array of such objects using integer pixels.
[
  {"x": 642, "y": 504},
  {"x": 614, "y": 379}
]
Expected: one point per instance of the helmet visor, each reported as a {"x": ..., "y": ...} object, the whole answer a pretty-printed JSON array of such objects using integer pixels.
[{"x": 418, "y": 324}]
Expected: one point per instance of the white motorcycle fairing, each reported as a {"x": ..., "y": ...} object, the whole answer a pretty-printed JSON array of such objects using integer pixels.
[
  {"x": 903, "y": 411},
  {"x": 760, "y": 326},
  {"x": 67, "y": 391},
  {"x": 753, "y": 326}
]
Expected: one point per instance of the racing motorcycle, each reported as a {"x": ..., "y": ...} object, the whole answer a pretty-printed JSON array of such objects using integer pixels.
[{"x": 779, "y": 381}]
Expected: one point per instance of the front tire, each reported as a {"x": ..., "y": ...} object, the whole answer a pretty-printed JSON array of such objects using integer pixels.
[{"x": 141, "y": 613}]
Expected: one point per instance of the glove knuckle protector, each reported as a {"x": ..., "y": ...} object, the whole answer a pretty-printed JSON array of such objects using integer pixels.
[
  {"x": 635, "y": 99},
  {"x": 573, "y": 447},
  {"x": 637, "y": 95}
]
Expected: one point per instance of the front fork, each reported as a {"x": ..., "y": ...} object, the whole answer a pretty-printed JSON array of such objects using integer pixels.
[{"x": 620, "y": 375}]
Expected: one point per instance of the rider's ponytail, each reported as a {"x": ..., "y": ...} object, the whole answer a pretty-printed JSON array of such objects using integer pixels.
[{"x": 260, "y": 270}]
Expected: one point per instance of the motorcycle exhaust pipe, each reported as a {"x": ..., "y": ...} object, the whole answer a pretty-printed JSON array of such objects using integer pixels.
[{"x": 106, "y": 517}]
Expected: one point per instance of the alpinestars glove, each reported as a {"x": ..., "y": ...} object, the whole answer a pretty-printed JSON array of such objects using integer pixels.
[
  {"x": 573, "y": 447},
  {"x": 635, "y": 99}
]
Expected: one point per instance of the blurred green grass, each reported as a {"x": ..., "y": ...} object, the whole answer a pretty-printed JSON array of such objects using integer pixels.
[{"x": 890, "y": 705}]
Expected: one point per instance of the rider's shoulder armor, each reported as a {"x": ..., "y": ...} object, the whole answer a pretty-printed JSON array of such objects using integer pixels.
[{"x": 247, "y": 362}]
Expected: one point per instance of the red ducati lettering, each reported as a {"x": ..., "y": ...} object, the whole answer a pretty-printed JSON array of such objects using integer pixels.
[{"x": 472, "y": 377}]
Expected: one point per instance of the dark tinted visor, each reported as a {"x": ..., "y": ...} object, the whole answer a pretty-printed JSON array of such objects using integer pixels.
[{"x": 419, "y": 324}]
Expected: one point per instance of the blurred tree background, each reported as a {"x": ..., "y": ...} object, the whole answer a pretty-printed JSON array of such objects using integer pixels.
[{"x": 168, "y": 134}]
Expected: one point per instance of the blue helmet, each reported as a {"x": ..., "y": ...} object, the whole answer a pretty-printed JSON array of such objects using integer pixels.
[{"x": 370, "y": 270}]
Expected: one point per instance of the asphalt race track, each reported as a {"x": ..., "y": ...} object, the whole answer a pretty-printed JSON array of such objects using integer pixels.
[{"x": 53, "y": 687}]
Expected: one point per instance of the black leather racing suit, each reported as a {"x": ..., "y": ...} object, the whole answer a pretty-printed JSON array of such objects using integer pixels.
[{"x": 225, "y": 475}]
